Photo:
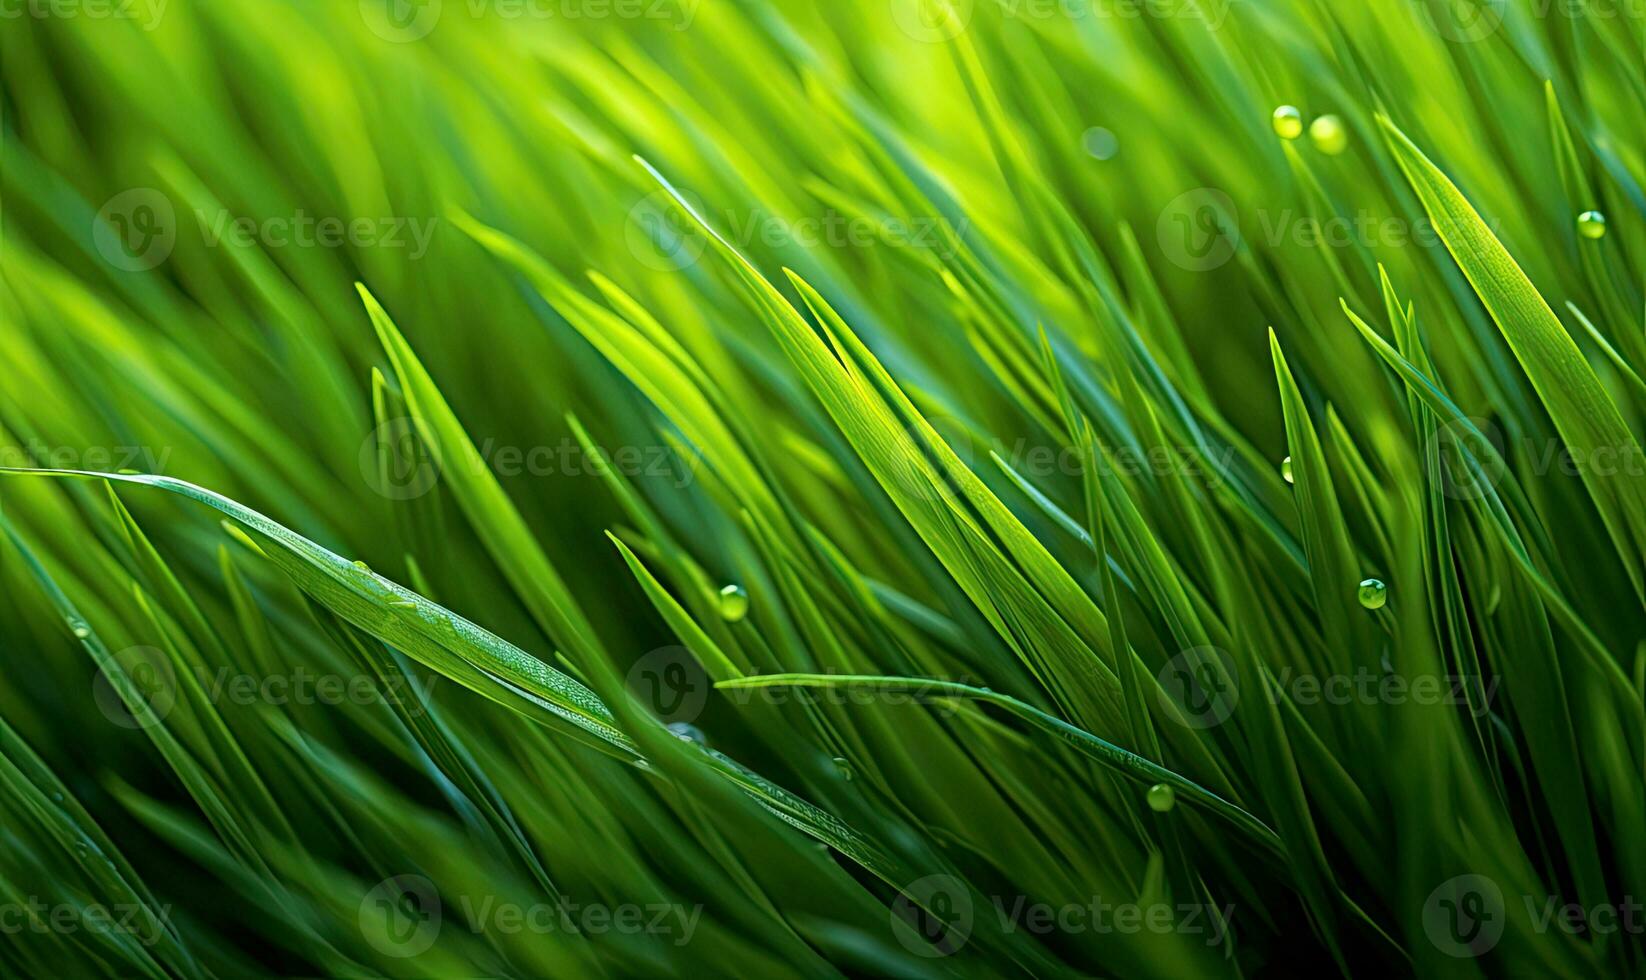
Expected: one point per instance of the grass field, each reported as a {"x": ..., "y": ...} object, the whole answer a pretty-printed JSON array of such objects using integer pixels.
[{"x": 921, "y": 488}]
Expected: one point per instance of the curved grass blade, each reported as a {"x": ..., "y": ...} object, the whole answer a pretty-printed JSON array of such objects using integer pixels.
[
  {"x": 1583, "y": 413},
  {"x": 1121, "y": 760},
  {"x": 481, "y": 660}
]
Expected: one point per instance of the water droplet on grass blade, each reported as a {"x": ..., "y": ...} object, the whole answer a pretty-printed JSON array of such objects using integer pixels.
[
  {"x": 844, "y": 768},
  {"x": 734, "y": 603},
  {"x": 687, "y": 732},
  {"x": 1286, "y": 470},
  {"x": 1100, "y": 143},
  {"x": 1288, "y": 122},
  {"x": 1329, "y": 135},
  {"x": 1373, "y": 593},
  {"x": 1591, "y": 224},
  {"x": 1162, "y": 797}
]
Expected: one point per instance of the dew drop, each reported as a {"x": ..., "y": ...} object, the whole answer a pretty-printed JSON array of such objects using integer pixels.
[
  {"x": 1591, "y": 224},
  {"x": 81, "y": 631},
  {"x": 844, "y": 768},
  {"x": 687, "y": 732},
  {"x": 1162, "y": 797},
  {"x": 1329, "y": 135},
  {"x": 1286, "y": 470},
  {"x": 1100, "y": 143},
  {"x": 1288, "y": 122},
  {"x": 734, "y": 603},
  {"x": 1373, "y": 593}
]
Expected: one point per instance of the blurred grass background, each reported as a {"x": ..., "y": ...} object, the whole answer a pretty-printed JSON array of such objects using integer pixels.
[{"x": 1065, "y": 231}]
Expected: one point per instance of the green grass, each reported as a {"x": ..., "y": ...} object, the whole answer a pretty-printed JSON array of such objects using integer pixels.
[{"x": 392, "y": 393}]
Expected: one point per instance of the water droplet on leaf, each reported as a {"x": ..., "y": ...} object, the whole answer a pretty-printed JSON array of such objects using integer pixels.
[
  {"x": 687, "y": 732},
  {"x": 1286, "y": 470},
  {"x": 734, "y": 603},
  {"x": 1288, "y": 122},
  {"x": 1100, "y": 143},
  {"x": 1162, "y": 797},
  {"x": 1591, "y": 224},
  {"x": 1373, "y": 593},
  {"x": 1329, "y": 135}
]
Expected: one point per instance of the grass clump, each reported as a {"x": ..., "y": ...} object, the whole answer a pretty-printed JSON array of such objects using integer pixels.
[{"x": 797, "y": 489}]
